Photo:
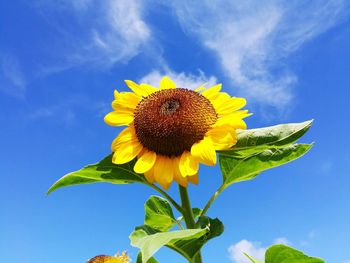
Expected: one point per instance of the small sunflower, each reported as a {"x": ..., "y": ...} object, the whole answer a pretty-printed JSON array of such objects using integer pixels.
[
  {"x": 123, "y": 258},
  {"x": 171, "y": 130}
]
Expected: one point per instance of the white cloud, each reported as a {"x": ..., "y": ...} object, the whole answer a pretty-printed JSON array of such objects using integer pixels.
[
  {"x": 283, "y": 241},
  {"x": 182, "y": 80},
  {"x": 124, "y": 34},
  {"x": 109, "y": 31},
  {"x": 12, "y": 80},
  {"x": 252, "y": 248},
  {"x": 252, "y": 39}
]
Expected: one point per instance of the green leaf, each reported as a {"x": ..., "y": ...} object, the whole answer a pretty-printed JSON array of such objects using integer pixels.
[
  {"x": 241, "y": 169},
  {"x": 149, "y": 240},
  {"x": 104, "y": 171},
  {"x": 216, "y": 228},
  {"x": 190, "y": 248},
  {"x": 255, "y": 140},
  {"x": 285, "y": 254},
  {"x": 277, "y": 135},
  {"x": 159, "y": 214},
  {"x": 151, "y": 260}
]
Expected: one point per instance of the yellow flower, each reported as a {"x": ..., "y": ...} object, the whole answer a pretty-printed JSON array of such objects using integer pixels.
[
  {"x": 123, "y": 258},
  {"x": 171, "y": 130}
]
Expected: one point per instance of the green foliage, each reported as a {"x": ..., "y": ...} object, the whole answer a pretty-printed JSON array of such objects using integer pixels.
[
  {"x": 261, "y": 149},
  {"x": 159, "y": 214},
  {"x": 256, "y": 150},
  {"x": 187, "y": 242},
  {"x": 277, "y": 135},
  {"x": 150, "y": 240},
  {"x": 285, "y": 254},
  {"x": 236, "y": 169},
  {"x": 215, "y": 226},
  {"x": 159, "y": 218},
  {"x": 103, "y": 171}
]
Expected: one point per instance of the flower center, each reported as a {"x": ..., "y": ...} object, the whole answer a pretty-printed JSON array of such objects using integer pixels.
[{"x": 170, "y": 121}]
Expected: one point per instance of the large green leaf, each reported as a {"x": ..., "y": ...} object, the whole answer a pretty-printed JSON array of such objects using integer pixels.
[
  {"x": 149, "y": 240},
  {"x": 281, "y": 134},
  {"x": 191, "y": 247},
  {"x": 241, "y": 169},
  {"x": 256, "y": 140},
  {"x": 104, "y": 171},
  {"x": 159, "y": 214},
  {"x": 284, "y": 254}
]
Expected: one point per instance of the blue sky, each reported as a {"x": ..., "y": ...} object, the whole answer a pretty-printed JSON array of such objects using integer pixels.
[{"x": 59, "y": 64}]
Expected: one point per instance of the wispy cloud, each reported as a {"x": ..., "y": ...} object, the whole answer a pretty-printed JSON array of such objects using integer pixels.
[
  {"x": 109, "y": 31},
  {"x": 182, "y": 80},
  {"x": 12, "y": 80},
  {"x": 252, "y": 248},
  {"x": 253, "y": 39}
]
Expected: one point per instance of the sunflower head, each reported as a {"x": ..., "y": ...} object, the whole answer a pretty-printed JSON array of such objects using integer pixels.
[
  {"x": 123, "y": 258},
  {"x": 171, "y": 130}
]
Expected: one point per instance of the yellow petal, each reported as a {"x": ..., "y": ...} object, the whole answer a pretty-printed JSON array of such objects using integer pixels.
[
  {"x": 136, "y": 88},
  {"x": 126, "y": 100},
  {"x": 150, "y": 176},
  {"x": 177, "y": 174},
  {"x": 242, "y": 114},
  {"x": 148, "y": 88},
  {"x": 222, "y": 137},
  {"x": 219, "y": 99},
  {"x": 116, "y": 93},
  {"x": 122, "y": 116},
  {"x": 163, "y": 172},
  {"x": 127, "y": 135},
  {"x": 125, "y": 152},
  {"x": 193, "y": 179},
  {"x": 212, "y": 91},
  {"x": 204, "y": 152},
  {"x": 188, "y": 165},
  {"x": 233, "y": 120},
  {"x": 145, "y": 162},
  {"x": 167, "y": 83},
  {"x": 230, "y": 106}
]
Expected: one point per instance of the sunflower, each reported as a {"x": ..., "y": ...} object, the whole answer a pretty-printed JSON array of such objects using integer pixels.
[
  {"x": 171, "y": 130},
  {"x": 123, "y": 258}
]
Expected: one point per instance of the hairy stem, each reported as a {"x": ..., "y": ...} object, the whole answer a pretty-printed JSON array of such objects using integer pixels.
[{"x": 188, "y": 216}]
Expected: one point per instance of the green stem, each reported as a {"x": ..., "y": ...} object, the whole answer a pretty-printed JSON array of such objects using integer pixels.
[
  {"x": 212, "y": 199},
  {"x": 168, "y": 197},
  {"x": 188, "y": 216},
  {"x": 186, "y": 208}
]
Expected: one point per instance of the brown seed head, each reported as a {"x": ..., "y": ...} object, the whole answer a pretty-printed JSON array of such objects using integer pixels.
[{"x": 170, "y": 121}]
